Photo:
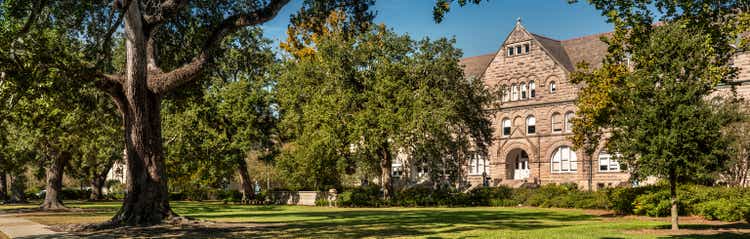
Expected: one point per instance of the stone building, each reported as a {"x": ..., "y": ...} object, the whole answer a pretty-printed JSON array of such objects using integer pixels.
[{"x": 533, "y": 121}]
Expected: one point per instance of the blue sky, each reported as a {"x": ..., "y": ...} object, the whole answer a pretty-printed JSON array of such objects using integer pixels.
[{"x": 477, "y": 29}]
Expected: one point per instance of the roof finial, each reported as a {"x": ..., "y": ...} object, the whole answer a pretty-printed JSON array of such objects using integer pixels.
[{"x": 518, "y": 21}]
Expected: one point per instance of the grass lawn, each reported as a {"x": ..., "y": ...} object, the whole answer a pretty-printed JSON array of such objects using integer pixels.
[{"x": 471, "y": 222}]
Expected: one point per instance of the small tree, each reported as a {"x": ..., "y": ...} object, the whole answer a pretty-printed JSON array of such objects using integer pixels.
[{"x": 662, "y": 124}]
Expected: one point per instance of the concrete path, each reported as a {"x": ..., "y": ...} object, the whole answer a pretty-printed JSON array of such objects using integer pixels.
[{"x": 17, "y": 227}]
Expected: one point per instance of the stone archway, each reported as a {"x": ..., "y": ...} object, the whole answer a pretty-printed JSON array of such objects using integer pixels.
[{"x": 517, "y": 165}]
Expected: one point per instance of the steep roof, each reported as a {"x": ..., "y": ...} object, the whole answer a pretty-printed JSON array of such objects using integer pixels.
[
  {"x": 569, "y": 52},
  {"x": 555, "y": 49},
  {"x": 475, "y": 65},
  {"x": 587, "y": 48}
]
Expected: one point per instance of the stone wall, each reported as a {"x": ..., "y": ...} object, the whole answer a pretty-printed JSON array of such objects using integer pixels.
[
  {"x": 540, "y": 66},
  {"x": 302, "y": 198}
]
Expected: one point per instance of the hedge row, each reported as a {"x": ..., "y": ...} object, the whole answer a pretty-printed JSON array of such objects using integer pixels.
[{"x": 714, "y": 203}]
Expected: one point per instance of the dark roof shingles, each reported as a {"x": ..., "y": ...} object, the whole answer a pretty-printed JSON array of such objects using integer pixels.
[{"x": 569, "y": 53}]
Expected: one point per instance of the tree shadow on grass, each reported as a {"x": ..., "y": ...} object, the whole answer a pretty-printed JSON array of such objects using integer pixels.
[
  {"x": 394, "y": 223},
  {"x": 719, "y": 230}
]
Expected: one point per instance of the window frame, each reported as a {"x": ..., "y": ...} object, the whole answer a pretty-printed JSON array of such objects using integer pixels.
[
  {"x": 523, "y": 91},
  {"x": 556, "y": 119},
  {"x": 567, "y": 159},
  {"x": 532, "y": 89},
  {"x": 552, "y": 87},
  {"x": 530, "y": 125},
  {"x": 509, "y": 127},
  {"x": 610, "y": 159},
  {"x": 567, "y": 123},
  {"x": 514, "y": 92}
]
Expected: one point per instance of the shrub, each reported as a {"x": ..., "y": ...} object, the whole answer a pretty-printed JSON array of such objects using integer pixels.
[
  {"x": 75, "y": 194},
  {"x": 368, "y": 196},
  {"x": 486, "y": 196},
  {"x": 621, "y": 198},
  {"x": 723, "y": 209}
]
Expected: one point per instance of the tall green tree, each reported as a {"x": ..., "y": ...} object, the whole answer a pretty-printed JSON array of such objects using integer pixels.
[
  {"x": 357, "y": 101},
  {"x": 209, "y": 139},
  {"x": 719, "y": 25},
  {"x": 168, "y": 44},
  {"x": 662, "y": 124}
]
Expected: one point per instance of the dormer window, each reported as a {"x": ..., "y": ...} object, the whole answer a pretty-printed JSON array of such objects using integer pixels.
[{"x": 519, "y": 49}]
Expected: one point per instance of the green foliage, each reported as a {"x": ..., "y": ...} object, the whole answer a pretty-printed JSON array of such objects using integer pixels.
[
  {"x": 208, "y": 139},
  {"x": 368, "y": 196},
  {"x": 724, "y": 209},
  {"x": 358, "y": 101}
]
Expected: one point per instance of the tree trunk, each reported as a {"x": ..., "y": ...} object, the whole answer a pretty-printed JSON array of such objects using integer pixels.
[
  {"x": 385, "y": 175},
  {"x": 17, "y": 188},
  {"x": 3, "y": 186},
  {"x": 673, "y": 195},
  {"x": 246, "y": 184},
  {"x": 97, "y": 182},
  {"x": 97, "y": 186},
  {"x": 146, "y": 201},
  {"x": 54, "y": 182}
]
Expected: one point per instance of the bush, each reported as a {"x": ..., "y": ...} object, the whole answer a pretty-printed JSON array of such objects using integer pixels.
[
  {"x": 486, "y": 196},
  {"x": 368, "y": 196},
  {"x": 75, "y": 194},
  {"x": 723, "y": 209}
]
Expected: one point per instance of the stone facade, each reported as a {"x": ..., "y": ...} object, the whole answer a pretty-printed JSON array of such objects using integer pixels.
[{"x": 523, "y": 155}]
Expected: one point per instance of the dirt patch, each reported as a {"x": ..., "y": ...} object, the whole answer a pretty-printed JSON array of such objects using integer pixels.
[{"x": 697, "y": 226}]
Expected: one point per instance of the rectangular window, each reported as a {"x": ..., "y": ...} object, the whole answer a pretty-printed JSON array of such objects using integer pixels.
[
  {"x": 527, "y": 47},
  {"x": 506, "y": 131},
  {"x": 607, "y": 163},
  {"x": 518, "y": 50},
  {"x": 557, "y": 126},
  {"x": 532, "y": 129},
  {"x": 510, "y": 51}
]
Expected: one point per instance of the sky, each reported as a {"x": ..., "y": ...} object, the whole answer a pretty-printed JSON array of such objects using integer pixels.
[{"x": 478, "y": 29}]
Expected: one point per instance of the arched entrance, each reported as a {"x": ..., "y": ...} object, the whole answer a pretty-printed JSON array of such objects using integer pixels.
[{"x": 517, "y": 164}]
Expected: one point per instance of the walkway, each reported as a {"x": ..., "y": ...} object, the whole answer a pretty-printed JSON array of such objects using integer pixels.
[{"x": 16, "y": 227}]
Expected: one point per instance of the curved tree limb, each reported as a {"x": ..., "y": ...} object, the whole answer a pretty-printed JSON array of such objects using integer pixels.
[{"x": 162, "y": 83}]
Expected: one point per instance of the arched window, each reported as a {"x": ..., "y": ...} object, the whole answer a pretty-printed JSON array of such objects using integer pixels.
[
  {"x": 506, "y": 127},
  {"x": 564, "y": 160},
  {"x": 568, "y": 123},
  {"x": 552, "y": 87},
  {"x": 531, "y": 125},
  {"x": 523, "y": 90},
  {"x": 556, "y": 122},
  {"x": 532, "y": 89},
  {"x": 514, "y": 92},
  {"x": 506, "y": 93},
  {"x": 607, "y": 163}
]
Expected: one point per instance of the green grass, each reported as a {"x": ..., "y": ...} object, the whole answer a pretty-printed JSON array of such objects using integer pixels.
[{"x": 471, "y": 222}]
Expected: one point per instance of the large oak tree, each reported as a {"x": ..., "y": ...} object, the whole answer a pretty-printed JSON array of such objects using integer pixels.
[{"x": 168, "y": 44}]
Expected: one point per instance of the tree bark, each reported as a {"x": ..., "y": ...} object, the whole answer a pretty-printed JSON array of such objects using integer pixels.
[
  {"x": 97, "y": 182},
  {"x": 385, "y": 168},
  {"x": 673, "y": 195},
  {"x": 54, "y": 182},
  {"x": 3, "y": 186},
  {"x": 246, "y": 184},
  {"x": 146, "y": 201},
  {"x": 17, "y": 188}
]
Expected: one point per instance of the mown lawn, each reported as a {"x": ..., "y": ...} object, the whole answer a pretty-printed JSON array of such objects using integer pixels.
[{"x": 472, "y": 222}]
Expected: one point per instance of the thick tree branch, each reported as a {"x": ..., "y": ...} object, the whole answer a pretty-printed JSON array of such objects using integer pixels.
[
  {"x": 162, "y": 83},
  {"x": 167, "y": 9},
  {"x": 36, "y": 8}
]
